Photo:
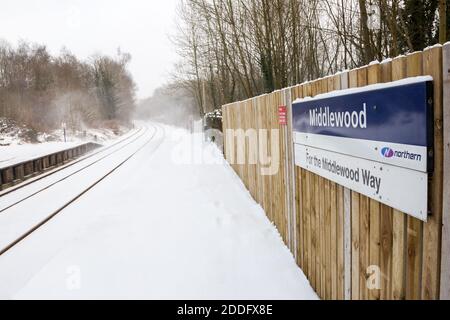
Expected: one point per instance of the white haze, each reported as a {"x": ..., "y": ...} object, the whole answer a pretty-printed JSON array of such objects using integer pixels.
[
  {"x": 85, "y": 27},
  {"x": 171, "y": 105}
]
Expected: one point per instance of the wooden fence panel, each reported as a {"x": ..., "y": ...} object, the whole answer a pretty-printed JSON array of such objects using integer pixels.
[{"x": 339, "y": 236}]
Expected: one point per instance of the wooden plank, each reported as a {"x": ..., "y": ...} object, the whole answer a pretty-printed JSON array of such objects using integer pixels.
[
  {"x": 327, "y": 235},
  {"x": 249, "y": 167},
  {"x": 299, "y": 248},
  {"x": 398, "y": 285},
  {"x": 306, "y": 197},
  {"x": 413, "y": 259},
  {"x": 282, "y": 174},
  {"x": 226, "y": 126},
  {"x": 258, "y": 120},
  {"x": 353, "y": 83},
  {"x": 305, "y": 223},
  {"x": 308, "y": 91},
  {"x": 267, "y": 190},
  {"x": 445, "y": 252},
  {"x": 386, "y": 222},
  {"x": 337, "y": 221},
  {"x": 333, "y": 263},
  {"x": 254, "y": 166},
  {"x": 312, "y": 242},
  {"x": 298, "y": 93},
  {"x": 276, "y": 205},
  {"x": 347, "y": 224},
  {"x": 374, "y": 250},
  {"x": 432, "y": 230},
  {"x": 291, "y": 175},
  {"x": 321, "y": 235},
  {"x": 374, "y": 76},
  {"x": 312, "y": 215},
  {"x": 281, "y": 177},
  {"x": 284, "y": 188},
  {"x": 318, "y": 206},
  {"x": 364, "y": 245},
  {"x": 306, "y": 226},
  {"x": 340, "y": 240},
  {"x": 237, "y": 126},
  {"x": 355, "y": 245},
  {"x": 326, "y": 222},
  {"x": 261, "y": 126},
  {"x": 279, "y": 205},
  {"x": 239, "y": 117},
  {"x": 364, "y": 220},
  {"x": 414, "y": 226},
  {"x": 317, "y": 242},
  {"x": 267, "y": 178},
  {"x": 271, "y": 189},
  {"x": 386, "y": 237},
  {"x": 353, "y": 78}
]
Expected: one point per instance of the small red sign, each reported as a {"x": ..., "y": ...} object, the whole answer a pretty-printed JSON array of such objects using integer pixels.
[{"x": 282, "y": 115}]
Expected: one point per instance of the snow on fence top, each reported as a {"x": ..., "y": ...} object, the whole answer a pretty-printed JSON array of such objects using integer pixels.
[{"x": 378, "y": 86}]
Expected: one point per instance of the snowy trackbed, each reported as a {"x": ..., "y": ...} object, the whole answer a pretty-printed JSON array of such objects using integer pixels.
[{"x": 22, "y": 211}]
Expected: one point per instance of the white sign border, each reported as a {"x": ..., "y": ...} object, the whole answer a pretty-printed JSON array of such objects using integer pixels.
[
  {"x": 366, "y": 149},
  {"x": 402, "y": 189}
]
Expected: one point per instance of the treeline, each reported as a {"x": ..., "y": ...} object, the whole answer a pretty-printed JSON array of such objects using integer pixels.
[
  {"x": 235, "y": 49},
  {"x": 43, "y": 91}
]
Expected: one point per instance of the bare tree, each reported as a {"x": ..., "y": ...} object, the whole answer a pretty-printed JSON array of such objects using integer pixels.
[{"x": 42, "y": 91}]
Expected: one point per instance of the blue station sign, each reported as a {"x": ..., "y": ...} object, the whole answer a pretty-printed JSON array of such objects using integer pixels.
[
  {"x": 397, "y": 117},
  {"x": 374, "y": 140}
]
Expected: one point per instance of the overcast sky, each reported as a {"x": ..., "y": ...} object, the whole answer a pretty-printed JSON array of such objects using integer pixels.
[{"x": 86, "y": 27}]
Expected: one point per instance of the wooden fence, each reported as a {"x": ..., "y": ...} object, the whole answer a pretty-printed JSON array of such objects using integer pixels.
[{"x": 336, "y": 234}]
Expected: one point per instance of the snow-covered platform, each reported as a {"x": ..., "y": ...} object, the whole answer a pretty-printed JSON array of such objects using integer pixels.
[
  {"x": 12, "y": 155},
  {"x": 21, "y": 163}
]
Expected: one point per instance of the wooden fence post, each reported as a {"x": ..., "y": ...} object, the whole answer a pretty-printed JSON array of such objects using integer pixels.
[
  {"x": 290, "y": 173},
  {"x": 432, "y": 230},
  {"x": 445, "y": 262}
]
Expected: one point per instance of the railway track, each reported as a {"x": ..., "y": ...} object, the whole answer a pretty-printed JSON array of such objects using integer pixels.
[
  {"x": 71, "y": 164},
  {"x": 121, "y": 144},
  {"x": 25, "y": 232}
]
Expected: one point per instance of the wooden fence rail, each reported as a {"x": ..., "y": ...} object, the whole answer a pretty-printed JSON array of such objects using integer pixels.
[{"x": 336, "y": 235}]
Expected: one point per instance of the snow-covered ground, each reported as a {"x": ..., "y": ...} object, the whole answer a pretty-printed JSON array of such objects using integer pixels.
[
  {"x": 15, "y": 134},
  {"x": 158, "y": 228}
]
